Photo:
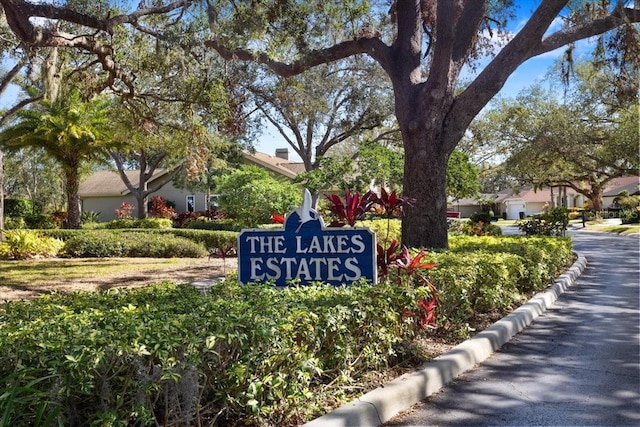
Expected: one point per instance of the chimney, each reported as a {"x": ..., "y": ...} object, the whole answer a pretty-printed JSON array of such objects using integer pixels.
[{"x": 282, "y": 153}]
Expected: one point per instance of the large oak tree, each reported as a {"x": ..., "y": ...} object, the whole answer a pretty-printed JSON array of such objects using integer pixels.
[{"x": 422, "y": 46}]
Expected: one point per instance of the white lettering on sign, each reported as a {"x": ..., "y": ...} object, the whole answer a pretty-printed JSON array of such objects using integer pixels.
[
  {"x": 306, "y": 269},
  {"x": 330, "y": 245}
]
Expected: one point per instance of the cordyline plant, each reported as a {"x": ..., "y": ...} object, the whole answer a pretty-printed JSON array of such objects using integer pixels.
[
  {"x": 397, "y": 265},
  {"x": 352, "y": 209},
  {"x": 354, "y": 206},
  {"x": 277, "y": 219},
  {"x": 392, "y": 205},
  {"x": 124, "y": 211}
]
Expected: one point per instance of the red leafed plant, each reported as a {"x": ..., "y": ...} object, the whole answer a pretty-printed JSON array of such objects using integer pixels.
[
  {"x": 392, "y": 204},
  {"x": 406, "y": 270},
  {"x": 277, "y": 219},
  {"x": 386, "y": 258},
  {"x": 352, "y": 208}
]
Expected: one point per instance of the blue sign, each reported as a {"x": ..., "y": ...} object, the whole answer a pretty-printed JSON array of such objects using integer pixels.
[{"x": 307, "y": 251}]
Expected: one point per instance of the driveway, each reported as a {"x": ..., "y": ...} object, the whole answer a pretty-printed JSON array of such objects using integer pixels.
[{"x": 578, "y": 364}]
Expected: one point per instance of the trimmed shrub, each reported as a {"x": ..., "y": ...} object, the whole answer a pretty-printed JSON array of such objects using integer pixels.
[
  {"x": 100, "y": 244},
  {"x": 214, "y": 225},
  {"x": 168, "y": 355},
  {"x": 155, "y": 245},
  {"x": 207, "y": 239},
  {"x": 131, "y": 243},
  {"x": 210, "y": 239},
  {"x": 153, "y": 223},
  {"x": 552, "y": 223},
  {"x": 543, "y": 257}
]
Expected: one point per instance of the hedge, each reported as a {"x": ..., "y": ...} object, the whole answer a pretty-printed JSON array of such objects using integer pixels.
[
  {"x": 242, "y": 355},
  {"x": 168, "y": 355},
  {"x": 105, "y": 243}
]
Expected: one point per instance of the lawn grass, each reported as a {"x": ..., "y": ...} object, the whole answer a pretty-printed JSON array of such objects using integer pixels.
[
  {"x": 626, "y": 229},
  {"x": 35, "y": 272}
]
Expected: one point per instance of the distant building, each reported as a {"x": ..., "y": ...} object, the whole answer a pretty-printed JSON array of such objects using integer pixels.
[{"x": 104, "y": 191}]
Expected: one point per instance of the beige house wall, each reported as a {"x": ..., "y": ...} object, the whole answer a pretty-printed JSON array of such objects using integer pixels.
[{"x": 107, "y": 205}]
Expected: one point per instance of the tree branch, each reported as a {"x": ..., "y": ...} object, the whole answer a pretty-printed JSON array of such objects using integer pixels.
[
  {"x": 13, "y": 110},
  {"x": 583, "y": 31},
  {"x": 373, "y": 46}
]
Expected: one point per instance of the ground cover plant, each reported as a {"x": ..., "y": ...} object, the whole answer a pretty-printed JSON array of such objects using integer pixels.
[{"x": 255, "y": 355}]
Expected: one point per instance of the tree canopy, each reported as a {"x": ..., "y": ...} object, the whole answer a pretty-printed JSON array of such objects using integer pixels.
[
  {"x": 422, "y": 46},
  {"x": 582, "y": 140}
]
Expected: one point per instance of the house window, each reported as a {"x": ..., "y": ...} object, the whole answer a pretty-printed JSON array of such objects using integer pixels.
[{"x": 191, "y": 203}]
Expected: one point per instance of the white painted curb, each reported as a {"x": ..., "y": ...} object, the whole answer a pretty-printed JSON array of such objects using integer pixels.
[{"x": 380, "y": 405}]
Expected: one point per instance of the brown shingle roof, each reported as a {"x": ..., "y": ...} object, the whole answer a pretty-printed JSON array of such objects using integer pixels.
[{"x": 275, "y": 164}]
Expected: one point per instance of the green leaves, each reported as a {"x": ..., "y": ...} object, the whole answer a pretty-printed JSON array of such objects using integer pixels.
[{"x": 23, "y": 244}]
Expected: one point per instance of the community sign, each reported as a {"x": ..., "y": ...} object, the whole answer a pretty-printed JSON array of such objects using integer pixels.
[{"x": 306, "y": 251}]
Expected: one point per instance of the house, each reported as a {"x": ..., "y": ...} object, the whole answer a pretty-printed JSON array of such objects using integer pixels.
[
  {"x": 104, "y": 191},
  {"x": 528, "y": 201},
  {"x": 630, "y": 184},
  {"x": 483, "y": 202}
]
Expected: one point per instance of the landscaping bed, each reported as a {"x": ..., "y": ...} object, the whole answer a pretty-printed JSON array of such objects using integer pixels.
[{"x": 251, "y": 355}]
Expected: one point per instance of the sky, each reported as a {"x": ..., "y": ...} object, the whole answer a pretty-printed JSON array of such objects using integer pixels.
[{"x": 528, "y": 73}]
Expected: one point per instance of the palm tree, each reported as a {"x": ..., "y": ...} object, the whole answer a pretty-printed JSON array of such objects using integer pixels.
[{"x": 69, "y": 130}]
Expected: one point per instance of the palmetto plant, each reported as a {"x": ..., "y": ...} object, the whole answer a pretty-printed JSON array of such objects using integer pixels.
[{"x": 71, "y": 131}]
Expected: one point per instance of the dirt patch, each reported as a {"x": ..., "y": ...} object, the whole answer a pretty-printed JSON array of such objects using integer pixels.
[{"x": 194, "y": 270}]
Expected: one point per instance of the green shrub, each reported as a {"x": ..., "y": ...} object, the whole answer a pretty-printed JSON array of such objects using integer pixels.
[
  {"x": 214, "y": 225},
  {"x": 386, "y": 230},
  {"x": 210, "y": 239},
  {"x": 153, "y": 245},
  {"x": 40, "y": 221},
  {"x": 207, "y": 239},
  {"x": 23, "y": 244},
  {"x": 168, "y": 355},
  {"x": 543, "y": 257},
  {"x": 14, "y": 223},
  {"x": 131, "y": 243},
  {"x": 147, "y": 223},
  {"x": 250, "y": 196},
  {"x": 18, "y": 207},
  {"x": 100, "y": 244},
  {"x": 552, "y": 223},
  {"x": 630, "y": 216},
  {"x": 484, "y": 217}
]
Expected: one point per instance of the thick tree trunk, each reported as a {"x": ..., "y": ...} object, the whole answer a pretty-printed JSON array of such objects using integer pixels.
[
  {"x": 596, "y": 198},
  {"x": 73, "y": 200},
  {"x": 425, "y": 223}
]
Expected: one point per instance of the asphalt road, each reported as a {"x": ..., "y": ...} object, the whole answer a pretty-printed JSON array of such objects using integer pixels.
[{"x": 576, "y": 365}]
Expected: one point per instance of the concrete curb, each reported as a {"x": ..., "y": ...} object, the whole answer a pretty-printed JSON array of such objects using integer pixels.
[{"x": 380, "y": 405}]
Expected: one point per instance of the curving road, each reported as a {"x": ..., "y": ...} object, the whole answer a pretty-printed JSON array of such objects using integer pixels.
[{"x": 576, "y": 365}]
